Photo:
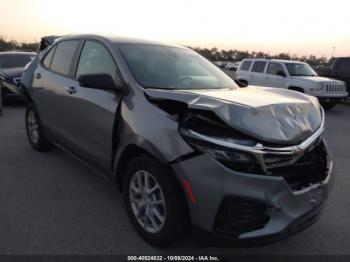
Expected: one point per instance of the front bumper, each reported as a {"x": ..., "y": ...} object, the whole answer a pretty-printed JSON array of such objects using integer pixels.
[
  {"x": 332, "y": 98},
  {"x": 288, "y": 211}
]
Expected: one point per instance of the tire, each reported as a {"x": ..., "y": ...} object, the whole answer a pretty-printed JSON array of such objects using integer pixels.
[
  {"x": 35, "y": 131},
  {"x": 244, "y": 83},
  {"x": 328, "y": 106},
  {"x": 171, "y": 218}
]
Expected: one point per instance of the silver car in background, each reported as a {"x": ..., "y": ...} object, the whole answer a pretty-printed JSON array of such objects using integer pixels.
[{"x": 185, "y": 144}]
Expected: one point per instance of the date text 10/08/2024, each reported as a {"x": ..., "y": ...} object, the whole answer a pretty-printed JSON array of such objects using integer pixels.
[{"x": 173, "y": 258}]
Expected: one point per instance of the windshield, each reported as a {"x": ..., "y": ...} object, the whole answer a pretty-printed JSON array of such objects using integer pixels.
[
  {"x": 12, "y": 61},
  {"x": 299, "y": 69},
  {"x": 166, "y": 67}
]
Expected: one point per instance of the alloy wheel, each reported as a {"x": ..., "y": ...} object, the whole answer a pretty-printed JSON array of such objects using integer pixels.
[
  {"x": 147, "y": 201},
  {"x": 33, "y": 127}
]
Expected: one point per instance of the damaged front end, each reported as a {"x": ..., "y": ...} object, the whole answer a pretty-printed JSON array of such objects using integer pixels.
[
  {"x": 300, "y": 165},
  {"x": 222, "y": 125},
  {"x": 268, "y": 177}
]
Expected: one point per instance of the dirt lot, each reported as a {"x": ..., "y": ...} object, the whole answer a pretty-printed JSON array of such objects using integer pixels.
[{"x": 52, "y": 204}]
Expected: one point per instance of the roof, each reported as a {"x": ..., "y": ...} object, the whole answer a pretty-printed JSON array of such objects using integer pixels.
[
  {"x": 273, "y": 60},
  {"x": 120, "y": 39},
  {"x": 17, "y": 53}
]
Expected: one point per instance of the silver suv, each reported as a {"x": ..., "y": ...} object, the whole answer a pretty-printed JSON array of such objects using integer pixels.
[{"x": 185, "y": 144}]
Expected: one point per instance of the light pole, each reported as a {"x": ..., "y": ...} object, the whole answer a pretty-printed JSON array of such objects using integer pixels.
[{"x": 333, "y": 51}]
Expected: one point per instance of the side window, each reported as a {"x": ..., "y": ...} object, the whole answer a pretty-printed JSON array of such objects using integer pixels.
[
  {"x": 62, "y": 60},
  {"x": 48, "y": 58},
  {"x": 274, "y": 68},
  {"x": 246, "y": 65},
  {"x": 95, "y": 59},
  {"x": 258, "y": 67}
]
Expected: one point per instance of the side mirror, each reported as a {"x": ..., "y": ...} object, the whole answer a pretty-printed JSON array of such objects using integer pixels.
[
  {"x": 101, "y": 81},
  {"x": 281, "y": 73}
]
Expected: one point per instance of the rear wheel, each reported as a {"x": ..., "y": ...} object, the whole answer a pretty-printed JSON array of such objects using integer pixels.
[
  {"x": 35, "y": 130},
  {"x": 154, "y": 203}
]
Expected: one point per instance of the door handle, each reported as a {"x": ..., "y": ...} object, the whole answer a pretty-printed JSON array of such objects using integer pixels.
[
  {"x": 38, "y": 76},
  {"x": 70, "y": 89}
]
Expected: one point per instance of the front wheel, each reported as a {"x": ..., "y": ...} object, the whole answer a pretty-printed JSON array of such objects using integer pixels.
[
  {"x": 154, "y": 202},
  {"x": 35, "y": 131}
]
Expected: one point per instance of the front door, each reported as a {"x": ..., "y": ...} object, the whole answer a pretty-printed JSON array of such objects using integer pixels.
[
  {"x": 273, "y": 76},
  {"x": 91, "y": 113}
]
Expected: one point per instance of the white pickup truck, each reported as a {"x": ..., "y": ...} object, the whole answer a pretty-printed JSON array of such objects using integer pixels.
[{"x": 292, "y": 75}]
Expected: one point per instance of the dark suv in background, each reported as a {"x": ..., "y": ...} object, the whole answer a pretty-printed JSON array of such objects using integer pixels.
[
  {"x": 340, "y": 70},
  {"x": 12, "y": 65}
]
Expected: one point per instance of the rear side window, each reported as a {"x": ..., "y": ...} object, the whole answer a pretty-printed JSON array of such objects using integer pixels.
[
  {"x": 95, "y": 59},
  {"x": 246, "y": 65},
  {"x": 258, "y": 67},
  {"x": 48, "y": 58},
  {"x": 274, "y": 68},
  {"x": 63, "y": 58}
]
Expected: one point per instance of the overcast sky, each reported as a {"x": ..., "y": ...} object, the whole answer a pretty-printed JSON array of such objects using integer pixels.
[{"x": 297, "y": 26}]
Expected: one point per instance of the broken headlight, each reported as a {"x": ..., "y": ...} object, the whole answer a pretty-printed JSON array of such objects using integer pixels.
[{"x": 233, "y": 159}]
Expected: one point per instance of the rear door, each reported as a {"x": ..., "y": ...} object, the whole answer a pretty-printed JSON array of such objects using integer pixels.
[
  {"x": 271, "y": 78},
  {"x": 51, "y": 77},
  {"x": 257, "y": 76},
  {"x": 90, "y": 113}
]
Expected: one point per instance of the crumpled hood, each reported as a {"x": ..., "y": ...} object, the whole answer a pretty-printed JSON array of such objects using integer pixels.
[
  {"x": 12, "y": 72},
  {"x": 268, "y": 114}
]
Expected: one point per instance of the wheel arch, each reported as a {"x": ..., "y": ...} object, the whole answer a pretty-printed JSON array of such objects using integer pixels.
[
  {"x": 133, "y": 150},
  {"x": 243, "y": 81},
  {"x": 297, "y": 89}
]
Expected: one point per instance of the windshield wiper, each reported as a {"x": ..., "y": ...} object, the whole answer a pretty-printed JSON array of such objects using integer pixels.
[
  {"x": 160, "y": 87},
  {"x": 303, "y": 75}
]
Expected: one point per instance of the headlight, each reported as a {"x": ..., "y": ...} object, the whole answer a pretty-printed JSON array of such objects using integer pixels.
[
  {"x": 318, "y": 88},
  {"x": 234, "y": 159}
]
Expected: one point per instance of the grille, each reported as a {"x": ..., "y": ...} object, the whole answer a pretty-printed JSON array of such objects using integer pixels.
[
  {"x": 273, "y": 161},
  {"x": 334, "y": 87},
  {"x": 284, "y": 158},
  {"x": 238, "y": 215},
  {"x": 303, "y": 170}
]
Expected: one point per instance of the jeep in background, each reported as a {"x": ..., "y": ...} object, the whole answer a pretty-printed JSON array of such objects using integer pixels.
[
  {"x": 293, "y": 75},
  {"x": 340, "y": 70}
]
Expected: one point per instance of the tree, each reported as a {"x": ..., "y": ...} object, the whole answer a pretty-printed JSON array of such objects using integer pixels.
[{"x": 14, "y": 45}]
